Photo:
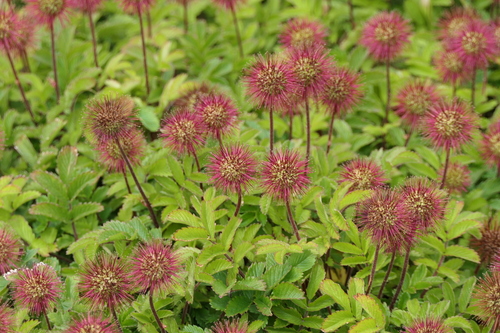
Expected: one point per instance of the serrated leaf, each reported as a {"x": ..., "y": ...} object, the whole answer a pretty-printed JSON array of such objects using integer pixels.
[
  {"x": 25, "y": 148},
  {"x": 80, "y": 182},
  {"x": 466, "y": 293},
  {"x": 85, "y": 209},
  {"x": 189, "y": 234},
  {"x": 457, "y": 321},
  {"x": 291, "y": 316},
  {"x": 52, "y": 184},
  {"x": 265, "y": 203},
  {"x": 218, "y": 265},
  {"x": 347, "y": 248},
  {"x": 462, "y": 252},
  {"x": 66, "y": 161},
  {"x": 286, "y": 290},
  {"x": 264, "y": 305},
  {"x": 339, "y": 219},
  {"x": 227, "y": 236},
  {"x": 207, "y": 218},
  {"x": 250, "y": 283},
  {"x": 316, "y": 277},
  {"x": 334, "y": 290},
  {"x": 176, "y": 169},
  {"x": 353, "y": 198},
  {"x": 373, "y": 308},
  {"x": 337, "y": 320},
  {"x": 184, "y": 217},
  {"x": 238, "y": 304},
  {"x": 50, "y": 210},
  {"x": 22, "y": 228},
  {"x": 210, "y": 252},
  {"x": 368, "y": 325},
  {"x": 24, "y": 197}
]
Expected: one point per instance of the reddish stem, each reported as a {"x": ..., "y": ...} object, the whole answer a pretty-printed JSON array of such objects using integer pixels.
[
  {"x": 54, "y": 62},
  {"x": 94, "y": 42},
  {"x": 144, "y": 58}
]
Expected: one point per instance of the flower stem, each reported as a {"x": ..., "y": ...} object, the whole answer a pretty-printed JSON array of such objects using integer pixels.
[
  {"x": 386, "y": 278},
  {"x": 291, "y": 124},
  {"x": 139, "y": 187},
  {"x": 351, "y": 14},
  {"x": 54, "y": 62},
  {"x": 144, "y": 58},
  {"x": 401, "y": 281},
  {"x": 445, "y": 171},
  {"x": 75, "y": 233},
  {"x": 292, "y": 221},
  {"x": 219, "y": 138},
  {"x": 21, "y": 89},
  {"x": 308, "y": 130},
  {"x": 155, "y": 314},
  {"x": 26, "y": 61},
  {"x": 374, "y": 268},
  {"x": 124, "y": 173},
  {"x": 388, "y": 78},
  {"x": 494, "y": 328},
  {"x": 238, "y": 205},
  {"x": 271, "y": 130},
  {"x": 186, "y": 23},
  {"x": 409, "y": 137},
  {"x": 473, "y": 88},
  {"x": 115, "y": 317},
  {"x": 150, "y": 24},
  {"x": 238, "y": 35},
  {"x": 49, "y": 326},
  {"x": 94, "y": 43},
  {"x": 330, "y": 133}
]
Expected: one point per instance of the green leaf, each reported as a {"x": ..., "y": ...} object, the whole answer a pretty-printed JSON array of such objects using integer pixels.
[
  {"x": 176, "y": 169},
  {"x": 264, "y": 305},
  {"x": 334, "y": 290},
  {"x": 227, "y": 236},
  {"x": 316, "y": 277},
  {"x": 51, "y": 210},
  {"x": 291, "y": 316},
  {"x": 373, "y": 308},
  {"x": 207, "y": 217},
  {"x": 24, "y": 197},
  {"x": 265, "y": 203},
  {"x": 26, "y": 150},
  {"x": 353, "y": 198},
  {"x": 347, "y": 248},
  {"x": 52, "y": 184},
  {"x": 367, "y": 325},
  {"x": 462, "y": 252},
  {"x": 339, "y": 219},
  {"x": 85, "y": 209},
  {"x": 189, "y": 234},
  {"x": 210, "y": 252},
  {"x": 238, "y": 304},
  {"x": 218, "y": 265},
  {"x": 22, "y": 228},
  {"x": 466, "y": 293},
  {"x": 66, "y": 161},
  {"x": 149, "y": 119},
  {"x": 286, "y": 290},
  {"x": 184, "y": 217},
  {"x": 250, "y": 283},
  {"x": 80, "y": 182},
  {"x": 336, "y": 320},
  {"x": 459, "y": 322}
]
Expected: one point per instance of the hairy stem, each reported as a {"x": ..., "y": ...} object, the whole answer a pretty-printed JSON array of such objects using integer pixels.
[
  {"x": 21, "y": 89},
  {"x": 351, "y": 14},
  {"x": 409, "y": 137},
  {"x": 94, "y": 42},
  {"x": 388, "y": 79},
  {"x": 54, "y": 62},
  {"x": 387, "y": 274},
  {"x": 374, "y": 268},
  {"x": 238, "y": 35},
  {"x": 26, "y": 61},
  {"x": 330, "y": 132},
  {"x": 139, "y": 187},
  {"x": 124, "y": 173},
  {"x": 445, "y": 171},
  {"x": 292, "y": 221},
  {"x": 271, "y": 130},
  {"x": 144, "y": 58},
  {"x": 291, "y": 124},
  {"x": 401, "y": 281},
  {"x": 75, "y": 233},
  {"x": 115, "y": 317},
  {"x": 185, "y": 12},
  {"x": 49, "y": 326},
  {"x": 473, "y": 88},
  {"x": 308, "y": 130},
  {"x": 238, "y": 205},
  {"x": 150, "y": 24},
  {"x": 155, "y": 314}
]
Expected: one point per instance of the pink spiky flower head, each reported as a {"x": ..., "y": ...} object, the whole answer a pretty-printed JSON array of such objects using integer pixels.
[
  {"x": 343, "y": 91},
  {"x": 137, "y": 6},
  {"x": 6, "y": 319},
  {"x": 27, "y": 33},
  {"x": 190, "y": 97},
  {"x": 414, "y": 100},
  {"x": 488, "y": 245},
  {"x": 428, "y": 325},
  {"x": 495, "y": 263},
  {"x": 457, "y": 178},
  {"x": 10, "y": 251},
  {"x": 45, "y": 12},
  {"x": 451, "y": 69},
  {"x": 155, "y": 266},
  {"x": 285, "y": 174},
  {"x": 9, "y": 30},
  {"x": 486, "y": 298},
  {"x": 35, "y": 289},
  {"x": 455, "y": 21},
  {"x": 92, "y": 324},
  {"x": 386, "y": 219},
  {"x": 110, "y": 118},
  {"x": 450, "y": 124},
  {"x": 218, "y": 113},
  {"x": 385, "y": 35},
  {"x": 496, "y": 32},
  {"x": 364, "y": 174},
  {"x": 425, "y": 202},
  {"x": 233, "y": 168},
  {"x": 312, "y": 67},
  {"x": 228, "y": 4},
  {"x": 184, "y": 132},
  {"x": 300, "y": 32},
  {"x": 88, "y": 6},
  {"x": 475, "y": 45},
  {"x": 133, "y": 146},
  {"x": 490, "y": 145},
  {"x": 106, "y": 281},
  {"x": 228, "y": 326},
  {"x": 270, "y": 82}
]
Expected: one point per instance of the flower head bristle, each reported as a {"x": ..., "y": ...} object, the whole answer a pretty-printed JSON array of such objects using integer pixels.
[
  {"x": 9, "y": 30},
  {"x": 155, "y": 266},
  {"x": 6, "y": 319},
  {"x": 88, "y": 6},
  {"x": 364, "y": 174},
  {"x": 228, "y": 4},
  {"x": 300, "y": 32},
  {"x": 488, "y": 245},
  {"x": 285, "y": 174},
  {"x": 385, "y": 35},
  {"x": 133, "y": 146},
  {"x": 10, "y": 251},
  {"x": 92, "y": 324},
  {"x": 47, "y": 11},
  {"x": 428, "y": 325},
  {"x": 455, "y": 21},
  {"x": 457, "y": 178},
  {"x": 451, "y": 69},
  {"x": 228, "y": 326},
  {"x": 342, "y": 92},
  {"x": 490, "y": 145},
  {"x": 184, "y": 132},
  {"x": 37, "y": 288},
  {"x": 486, "y": 298},
  {"x": 218, "y": 113},
  {"x": 106, "y": 281},
  {"x": 233, "y": 168},
  {"x": 190, "y": 97},
  {"x": 413, "y": 102},
  {"x": 137, "y": 6}
]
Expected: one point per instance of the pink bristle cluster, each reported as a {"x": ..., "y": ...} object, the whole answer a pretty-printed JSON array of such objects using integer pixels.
[
  {"x": 458, "y": 178},
  {"x": 228, "y": 4},
  {"x": 364, "y": 174},
  {"x": 92, "y": 324},
  {"x": 300, "y": 32},
  {"x": 218, "y": 113},
  {"x": 184, "y": 132},
  {"x": 6, "y": 319},
  {"x": 10, "y": 36},
  {"x": 486, "y": 298},
  {"x": 455, "y": 21},
  {"x": 133, "y": 146},
  {"x": 490, "y": 145},
  {"x": 137, "y": 6},
  {"x": 414, "y": 100},
  {"x": 88, "y": 6},
  {"x": 451, "y": 68},
  {"x": 428, "y": 325},
  {"x": 343, "y": 91},
  {"x": 10, "y": 251},
  {"x": 230, "y": 326},
  {"x": 45, "y": 12}
]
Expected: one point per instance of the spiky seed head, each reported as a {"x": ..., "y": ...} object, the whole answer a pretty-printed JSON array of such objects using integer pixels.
[
  {"x": 133, "y": 146},
  {"x": 92, "y": 324},
  {"x": 228, "y": 326},
  {"x": 385, "y": 35},
  {"x": 218, "y": 113},
  {"x": 450, "y": 124},
  {"x": 425, "y": 202},
  {"x": 488, "y": 245},
  {"x": 36, "y": 288},
  {"x": 137, "y": 6},
  {"x": 386, "y": 219},
  {"x": 455, "y": 21},
  {"x": 10, "y": 251},
  {"x": 495, "y": 263},
  {"x": 228, "y": 4},
  {"x": 486, "y": 298},
  {"x": 190, "y": 97},
  {"x": 300, "y": 32},
  {"x": 270, "y": 82},
  {"x": 342, "y": 92},
  {"x": 233, "y": 168},
  {"x": 414, "y": 100},
  {"x": 285, "y": 174},
  {"x": 47, "y": 11},
  {"x": 184, "y": 132},
  {"x": 428, "y": 325},
  {"x": 7, "y": 319},
  {"x": 451, "y": 69},
  {"x": 106, "y": 281},
  {"x": 27, "y": 34},
  {"x": 457, "y": 178},
  {"x": 88, "y": 6},
  {"x": 364, "y": 174},
  {"x": 155, "y": 266},
  {"x": 490, "y": 145},
  {"x": 110, "y": 118},
  {"x": 9, "y": 30}
]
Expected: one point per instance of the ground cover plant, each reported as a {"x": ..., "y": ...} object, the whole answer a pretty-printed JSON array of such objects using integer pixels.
[{"x": 249, "y": 166}]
